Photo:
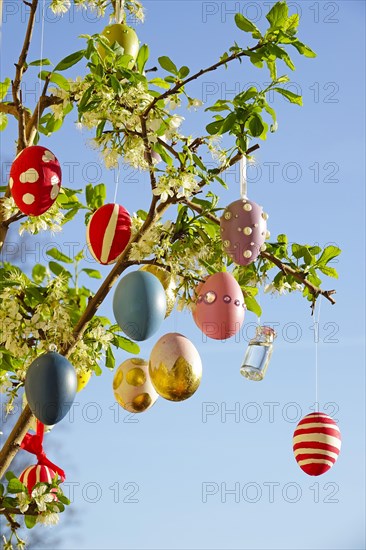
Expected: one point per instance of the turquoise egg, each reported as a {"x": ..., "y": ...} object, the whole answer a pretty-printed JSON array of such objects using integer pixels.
[
  {"x": 139, "y": 305},
  {"x": 50, "y": 387}
]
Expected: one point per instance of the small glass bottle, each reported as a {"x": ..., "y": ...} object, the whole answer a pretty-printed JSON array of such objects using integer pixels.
[{"x": 258, "y": 354}]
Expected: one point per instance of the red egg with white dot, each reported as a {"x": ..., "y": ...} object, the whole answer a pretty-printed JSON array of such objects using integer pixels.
[
  {"x": 108, "y": 233},
  {"x": 219, "y": 310},
  {"x": 35, "y": 180},
  {"x": 243, "y": 231}
]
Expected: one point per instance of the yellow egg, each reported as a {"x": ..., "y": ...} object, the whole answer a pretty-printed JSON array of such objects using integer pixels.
[
  {"x": 83, "y": 378},
  {"x": 132, "y": 386},
  {"x": 175, "y": 367},
  {"x": 167, "y": 280}
]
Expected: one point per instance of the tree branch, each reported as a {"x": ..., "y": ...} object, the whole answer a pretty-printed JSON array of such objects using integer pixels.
[
  {"x": 298, "y": 275},
  {"x": 181, "y": 83}
]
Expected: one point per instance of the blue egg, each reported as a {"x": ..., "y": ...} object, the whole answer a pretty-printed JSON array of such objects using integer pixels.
[
  {"x": 50, "y": 387},
  {"x": 139, "y": 305}
]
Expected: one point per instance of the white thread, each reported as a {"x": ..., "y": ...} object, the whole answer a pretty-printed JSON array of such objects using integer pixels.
[
  {"x": 243, "y": 177},
  {"x": 316, "y": 335},
  {"x": 117, "y": 184}
]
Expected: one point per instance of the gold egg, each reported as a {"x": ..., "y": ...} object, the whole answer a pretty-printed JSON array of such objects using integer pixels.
[
  {"x": 82, "y": 379},
  {"x": 132, "y": 386},
  {"x": 175, "y": 367},
  {"x": 167, "y": 280}
]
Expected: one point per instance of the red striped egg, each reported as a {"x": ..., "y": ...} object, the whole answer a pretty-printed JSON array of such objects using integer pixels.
[
  {"x": 108, "y": 233},
  {"x": 36, "y": 474},
  {"x": 316, "y": 443},
  {"x": 35, "y": 180},
  {"x": 243, "y": 231}
]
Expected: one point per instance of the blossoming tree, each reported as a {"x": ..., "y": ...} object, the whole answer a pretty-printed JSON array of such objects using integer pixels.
[{"x": 134, "y": 113}]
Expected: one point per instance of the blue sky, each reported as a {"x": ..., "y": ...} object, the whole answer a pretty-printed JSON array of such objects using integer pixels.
[{"x": 180, "y": 461}]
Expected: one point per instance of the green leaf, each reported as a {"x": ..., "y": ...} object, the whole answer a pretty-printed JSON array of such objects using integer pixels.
[
  {"x": 160, "y": 83},
  {"x": 58, "y": 269},
  {"x": 116, "y": 86},
  {"x": 39, "y": 63},
  {"x": 58, "y": 255},
  {"x": 255, "y": 125},
  {"x": 329, "y": 271},
  {"x": 278, "y": 15},
  {"x": 167, "y": 64},
  {"x": 293, "y": 98},
  {"x": 183, "y": 72},
  {"x": 282, "y": 239},
  {"x": 60, "y": 80},
  {"x": 142, "y": 57},
  {"x": 252, "y": 305},
  {"x": 303, "y": 49},
  {"x": 328, "y": 254},
  {"x": 3, "y": 121},
  {"x": 281, "y": 54},
  {"x": 100, "y": 195},
  {"x": 246, "y": 25},
  {"x": 93, "y": 273},
  {"x": 292, "y": 23},
  {"x": 1, "y": 489},
  {"x": 228, "y": 123},
  {"x": 15, "y": 486},
  {"x": 4, "y": 86},
  {"x": 70, "y": 60},
  {"x": 124, "y": 343},
  {"x": 10, "y": 475},
  {"x": 110, "y": 361},
  {"x": 63, "y": 499},
  {"x": 38, "y": 273},
  {"x": 214, "y": 127},
  {"x": 30, "y": 521}
]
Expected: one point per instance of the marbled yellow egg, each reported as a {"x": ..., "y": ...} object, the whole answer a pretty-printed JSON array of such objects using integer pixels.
[
  {"x": 132, "y": 386},
  {"x": 167, "y": 280},
  {"x": 175, "y": 367}
]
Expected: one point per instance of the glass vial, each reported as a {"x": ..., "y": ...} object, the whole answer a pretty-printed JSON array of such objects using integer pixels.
[{"x": 258, "y": 354}]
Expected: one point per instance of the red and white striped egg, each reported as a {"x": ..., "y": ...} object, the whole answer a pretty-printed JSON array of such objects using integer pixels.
[
  {"x": 35, "y": 180},
  {"x": 244, "y": 230},
  {"x": 316, "y": 443},
  {"x": 108, "y": 233},
  {"x": 36, "y": 474}
]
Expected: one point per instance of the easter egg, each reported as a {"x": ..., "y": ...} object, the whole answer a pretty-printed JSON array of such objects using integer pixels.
[
  {"x": 108, "y": 233},
  {"x": 50, "y": 387},
  {"x": 219, "y": 310},
  {"x": 36, "y": 474},
  {"x": 316, "y": 443},
  {"x": 132, "y": 386},
  {"x": 82, "y": 380},
  {"x": 167, "y": 280},
  {"x": 175, "y": 367},
  {"x": 35, "y": 180},
  {"x": 139, "y": 305},
  {"x": 243, "y": 231},
  {"x": 125, "y": 36}
]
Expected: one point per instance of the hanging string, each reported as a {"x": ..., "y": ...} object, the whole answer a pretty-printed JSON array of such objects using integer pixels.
[
  {"x": 41, "y": 57},
  {"x": 316, "y": 336},
  {"x": 243, "y": 177},
  {"x": 117, "y": 183},
  {"x": 259, "y": 303}
]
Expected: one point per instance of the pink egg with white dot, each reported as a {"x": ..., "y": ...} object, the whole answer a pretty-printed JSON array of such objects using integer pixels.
[
  {"x": 243, "y": 231},
  {"x": 35, "y": 180},
  {"x": 220, "y": 308}
]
